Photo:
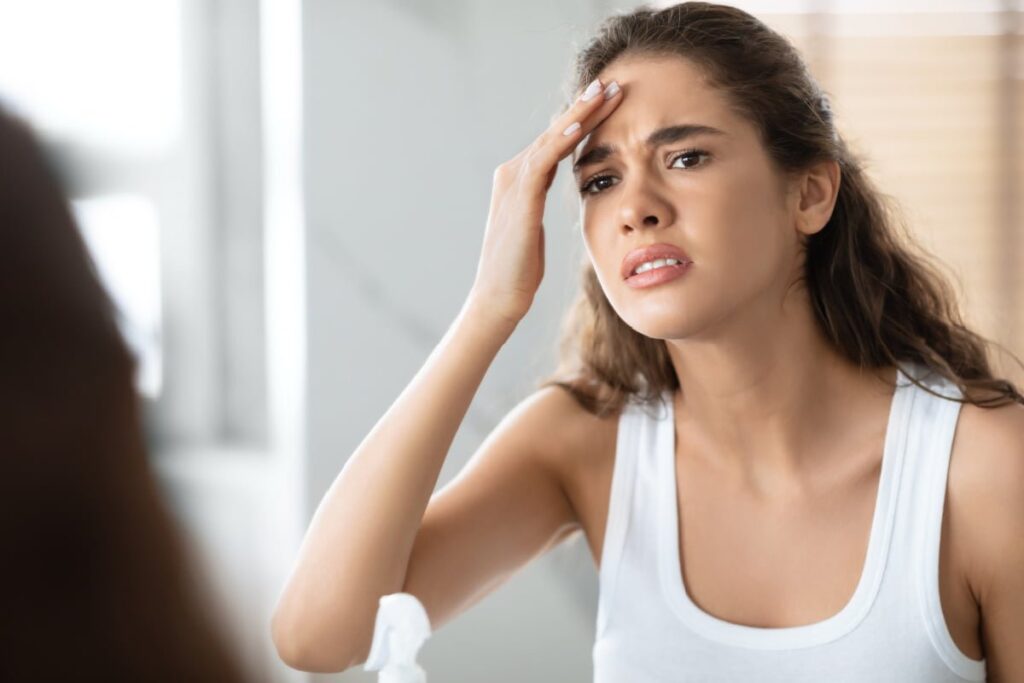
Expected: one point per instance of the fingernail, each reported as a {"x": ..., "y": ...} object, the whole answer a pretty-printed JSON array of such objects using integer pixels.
[
  {"x": 571, "y": 129},
  {"x": 610, "y": 91},
  {"x": 591, "y": 90}
]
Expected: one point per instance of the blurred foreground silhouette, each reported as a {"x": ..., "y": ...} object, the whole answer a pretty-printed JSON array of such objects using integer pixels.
[{"x": 95, "y": 580}]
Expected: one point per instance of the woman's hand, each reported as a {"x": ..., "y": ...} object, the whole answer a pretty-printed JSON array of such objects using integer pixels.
[{"x": 512, "y": 258}]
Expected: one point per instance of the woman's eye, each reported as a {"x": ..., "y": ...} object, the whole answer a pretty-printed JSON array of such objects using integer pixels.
[
  {"x": 585, "y": 189},
  {"x": 591, "y": 183},
  {"x": 693, "y": 153}
]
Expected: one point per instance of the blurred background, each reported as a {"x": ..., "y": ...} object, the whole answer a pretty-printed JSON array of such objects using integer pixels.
[{"x": 287, "y": 198}]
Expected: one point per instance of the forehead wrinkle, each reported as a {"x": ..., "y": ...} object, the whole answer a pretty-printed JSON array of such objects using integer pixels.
[{"x": 661, "y": 136}]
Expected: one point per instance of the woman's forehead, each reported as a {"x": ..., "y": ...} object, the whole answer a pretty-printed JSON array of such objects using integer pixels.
[
  {"x": 655, "y": 74},
  {"x": 656, "y": 94},
  {"x": 650, "y": 123}
]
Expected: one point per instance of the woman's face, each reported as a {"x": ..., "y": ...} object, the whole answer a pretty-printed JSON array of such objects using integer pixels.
[{"x": 722, "y": 203}]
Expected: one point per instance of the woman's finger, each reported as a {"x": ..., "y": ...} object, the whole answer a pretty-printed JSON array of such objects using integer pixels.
[{"x": 591, "y": 107}]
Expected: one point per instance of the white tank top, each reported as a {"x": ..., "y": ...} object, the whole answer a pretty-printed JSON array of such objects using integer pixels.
[{"x": 892, "y": 628}]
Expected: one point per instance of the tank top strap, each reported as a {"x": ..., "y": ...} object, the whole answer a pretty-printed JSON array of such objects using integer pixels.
[
  {"x": 935, "y": 421},
  {"x": 637, "y": 429}
]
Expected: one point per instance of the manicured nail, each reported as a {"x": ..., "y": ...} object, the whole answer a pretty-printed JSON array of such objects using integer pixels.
[
  {"x": 571, "y": 129},
  {"x": 610, "y": 91},
  {"x": 591, "y": 90}
]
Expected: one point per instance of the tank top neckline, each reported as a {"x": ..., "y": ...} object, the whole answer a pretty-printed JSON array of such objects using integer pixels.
[{"x": 806, "y": 635}]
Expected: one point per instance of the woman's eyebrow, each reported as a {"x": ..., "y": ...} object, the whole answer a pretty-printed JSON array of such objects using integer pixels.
[{"x": 661, "y": 136}]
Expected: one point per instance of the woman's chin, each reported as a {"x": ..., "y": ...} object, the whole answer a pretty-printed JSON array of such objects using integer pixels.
[{"x": 666, "y": 326}]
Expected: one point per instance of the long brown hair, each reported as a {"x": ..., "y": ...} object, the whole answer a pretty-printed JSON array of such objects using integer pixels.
[
  {"x": 876, "y": 294},
  {"x": 96, "y": 584}
]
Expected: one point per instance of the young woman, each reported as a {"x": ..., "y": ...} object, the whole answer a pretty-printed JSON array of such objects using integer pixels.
[{"x": 789, "y": 456}]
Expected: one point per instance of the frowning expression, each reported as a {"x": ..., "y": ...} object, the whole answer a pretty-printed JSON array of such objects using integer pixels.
[{"x": 673, "y": 164}]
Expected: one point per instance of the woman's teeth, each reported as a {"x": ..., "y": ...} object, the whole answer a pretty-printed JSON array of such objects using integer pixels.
[{"x": 658, "y": 263}]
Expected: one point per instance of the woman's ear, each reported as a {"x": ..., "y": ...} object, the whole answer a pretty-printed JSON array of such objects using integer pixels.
[{"x": 815, "y": 195}]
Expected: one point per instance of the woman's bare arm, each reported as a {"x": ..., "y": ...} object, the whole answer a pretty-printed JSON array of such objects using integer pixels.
[{"x": 358, "y": 543}]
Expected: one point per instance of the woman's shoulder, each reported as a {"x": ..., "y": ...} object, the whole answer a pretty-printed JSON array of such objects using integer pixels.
[
  {"x": 985, "y": 513},
  {"x": 574, "y": 438},
  {"x": 580, "y": 450},
  {"x": 568, "y": 424},
  {"x": 987, "y": 452}
]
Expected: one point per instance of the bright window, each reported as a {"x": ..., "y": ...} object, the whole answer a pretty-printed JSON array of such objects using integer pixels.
[{"x": 123, "y": 236}]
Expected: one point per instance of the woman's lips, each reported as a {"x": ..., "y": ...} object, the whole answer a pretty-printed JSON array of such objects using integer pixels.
[
  {"x": 657, "y": 276},
  {"x": 651, "y": 252}
]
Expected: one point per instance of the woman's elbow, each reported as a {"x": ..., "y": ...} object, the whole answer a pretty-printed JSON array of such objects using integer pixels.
[{"x": 299, "y": 652}]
